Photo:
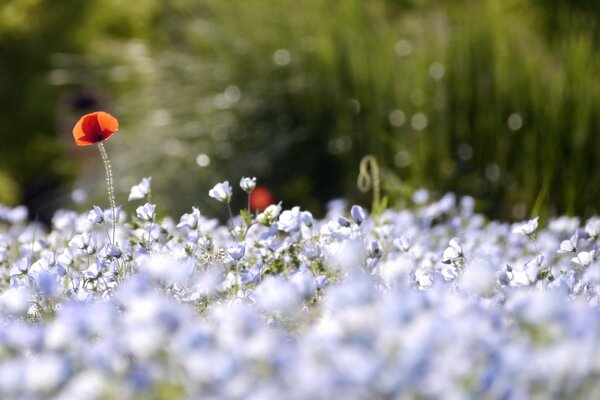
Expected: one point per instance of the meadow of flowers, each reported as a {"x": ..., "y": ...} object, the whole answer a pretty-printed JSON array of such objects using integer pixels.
[{"x": 432, "y": 302}]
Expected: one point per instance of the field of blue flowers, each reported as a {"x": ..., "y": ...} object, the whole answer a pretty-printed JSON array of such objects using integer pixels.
[{"x": 431, "y": 302}]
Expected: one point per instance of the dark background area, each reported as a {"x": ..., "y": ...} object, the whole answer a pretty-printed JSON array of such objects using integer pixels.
[{"x": 498, "y": 99}]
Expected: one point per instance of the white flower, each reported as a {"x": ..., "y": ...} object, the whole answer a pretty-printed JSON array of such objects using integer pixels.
[
  {"x": 221, "y": 192},
  {"x": 81, "y": 241},
  {"x": 584, "y": 258},
  {"x": 141, "y": 190},
  {"x": 402, "y": 243},
  {"x": 190, "y": 220},
  {"x": 453, "y": 251},
  {"x": 592, "y": 227},
  {"x": 526, "y": 228},
  {"x": 268, "y": 216},
  {"x": 146, "y": 212},
  {"x": 247, "y": 184},
  {"x": 569, "y": 246},
  {"x": 289, "y": 220}
]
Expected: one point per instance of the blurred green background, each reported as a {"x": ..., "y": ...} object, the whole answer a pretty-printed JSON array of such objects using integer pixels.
[{"x": 498, "y": 99}]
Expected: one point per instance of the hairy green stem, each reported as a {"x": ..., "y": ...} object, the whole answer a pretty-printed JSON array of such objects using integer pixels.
[{"x": 109, "y": 185}]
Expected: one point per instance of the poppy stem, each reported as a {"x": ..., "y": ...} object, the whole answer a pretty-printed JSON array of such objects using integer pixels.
[{"x": 109, "y": 185}]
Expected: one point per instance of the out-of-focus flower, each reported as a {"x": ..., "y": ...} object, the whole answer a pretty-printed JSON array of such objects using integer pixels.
[
  {"x": 402, "y": 243},
  {"x": 584, "y": 258},
  {"x": 526, "y": 228},
  {"x": 564, "y": 224},
  {"x": 222, "y": 192},
  {"x": 141, "y": 190},
  {"x": 592, "y": 227},
  {"x": 112, "y": 216},
  {"x": 261, "y": 198},
  {"x": 420, "y": 196},
  {"x": 94, "y": 128},
  {"x": 190, "y": 220}
]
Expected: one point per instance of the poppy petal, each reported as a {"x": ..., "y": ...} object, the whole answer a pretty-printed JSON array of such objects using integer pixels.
[
  {"x": 82, "y": 132},
  {"x": 107, "y": 123},
  {"x": 94, "y": 127}
]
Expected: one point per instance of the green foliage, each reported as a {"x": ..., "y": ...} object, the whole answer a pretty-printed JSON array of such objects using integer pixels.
[
  {"x": 492, "y": 98},
  {"x": 524, "y": 104},
  {"x": 37, "y": 97},
  {"x": 489, "y": 98}
]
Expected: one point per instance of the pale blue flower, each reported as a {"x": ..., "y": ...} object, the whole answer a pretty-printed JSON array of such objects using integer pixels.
[
  {"x": 343, "y": 221},
  {"x": 110, "y": 250},
  {"x": 375, "y": 249},
  {"x": 252, "y": 275},
  {"x": 402, "y": 243},
  {"x": 268, "y": 216},
  {"x": 358, "y": 214},
  {"x": 96, "y": 215},
  {"x": 146, "y": 212},
  {"x": 236, "y": 250},
  {"x": 190, "y": 220},
  {"x": 140, "y": 191}
]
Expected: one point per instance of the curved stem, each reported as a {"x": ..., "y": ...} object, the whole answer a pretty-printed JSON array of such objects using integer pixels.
[{"x": 368, "y": 177}]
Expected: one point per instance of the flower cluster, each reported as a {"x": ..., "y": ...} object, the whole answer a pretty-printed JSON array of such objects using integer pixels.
[{"x": 434, "y": 302}]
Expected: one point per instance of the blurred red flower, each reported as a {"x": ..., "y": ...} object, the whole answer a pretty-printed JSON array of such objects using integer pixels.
[
  {"x": 261, "y": 198},
  {"x": 94, "y": 127}
]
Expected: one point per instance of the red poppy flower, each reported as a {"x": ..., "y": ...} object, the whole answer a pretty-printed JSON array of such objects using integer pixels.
[
  {"x": 94, "y": 127},
  {"x": 261, "y": 198}
]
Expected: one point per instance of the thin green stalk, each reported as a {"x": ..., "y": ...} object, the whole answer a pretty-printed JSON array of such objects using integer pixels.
[
  {"x": 110, "y": 188},
  {"x": 230, "y": 215},
  {"x": 149, "y": 245}
]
